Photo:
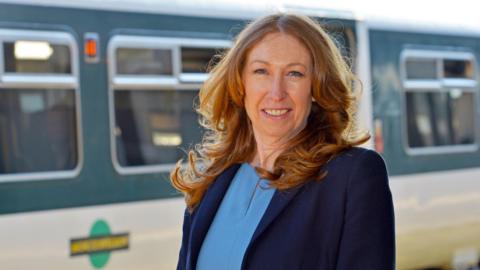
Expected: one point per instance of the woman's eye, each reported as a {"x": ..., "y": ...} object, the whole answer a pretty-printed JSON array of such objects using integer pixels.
[
  {"x": 260, "y": 71},
  {"x": 295, "y": 74}
]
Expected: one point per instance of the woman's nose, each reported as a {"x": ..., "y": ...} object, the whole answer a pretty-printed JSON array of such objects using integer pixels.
[{"x": 277, "y": 88}]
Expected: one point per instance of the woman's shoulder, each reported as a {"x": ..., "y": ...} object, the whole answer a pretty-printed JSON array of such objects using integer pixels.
[
  {"x": 356, "y": 162},
  {"x": 356, "y": 155},
  {"x": 357, "y": 173}
]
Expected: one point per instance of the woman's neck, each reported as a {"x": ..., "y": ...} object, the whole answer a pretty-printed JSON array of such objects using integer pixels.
[{"x": 267, "y": 151}]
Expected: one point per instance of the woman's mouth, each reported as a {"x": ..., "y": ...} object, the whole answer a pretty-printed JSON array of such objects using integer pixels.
[{"x": 276, "y": 112}]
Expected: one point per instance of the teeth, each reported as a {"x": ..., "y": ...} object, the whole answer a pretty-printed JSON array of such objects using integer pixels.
[{"x": 276, "y": 112}]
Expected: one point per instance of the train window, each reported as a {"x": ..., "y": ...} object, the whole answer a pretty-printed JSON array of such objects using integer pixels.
[
  {"x": 144, "y": 61},
  {"x": 196, "y": 60},
  {"x": 440, "y": 119},
  {"x": 453, "y": 68},
  {"x": 39, "y": 129},
  {"x": 37, "y": 123},
  {"x": 25, "y": 56},
  {"x": 153, "y": 120},
  {"x": 154, "y": 127},
  {"x": 421, "y": 68},
  {"x": 441, "y": 114}
]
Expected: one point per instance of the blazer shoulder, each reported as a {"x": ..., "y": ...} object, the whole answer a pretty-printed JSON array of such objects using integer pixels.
[
  {"x": 354, "y": 161},
  {"x": 366, "y": 167},
  {"x": 355, "y": 155}
]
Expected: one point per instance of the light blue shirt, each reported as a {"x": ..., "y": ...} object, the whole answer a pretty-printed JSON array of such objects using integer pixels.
[{"x": 235, "y": 222}]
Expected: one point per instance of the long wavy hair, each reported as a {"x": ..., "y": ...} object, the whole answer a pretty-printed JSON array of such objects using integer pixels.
[{"x": 228, "y": 137}]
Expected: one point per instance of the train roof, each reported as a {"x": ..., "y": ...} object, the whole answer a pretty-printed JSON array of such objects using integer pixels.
[
  {"x": 237, "y": 9},
  {"x": 459, "y": 17}
]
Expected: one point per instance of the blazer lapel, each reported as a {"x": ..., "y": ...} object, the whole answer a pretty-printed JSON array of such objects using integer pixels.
[
  {"x": 279, "y": 201},
  {"x": 203, "y": 216}
]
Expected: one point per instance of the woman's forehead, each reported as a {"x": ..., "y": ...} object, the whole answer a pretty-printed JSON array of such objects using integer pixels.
[{"x": 279, "y": 47}]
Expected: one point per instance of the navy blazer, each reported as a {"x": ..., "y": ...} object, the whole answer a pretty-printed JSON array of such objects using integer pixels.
[{"x": 343, "y": 222}]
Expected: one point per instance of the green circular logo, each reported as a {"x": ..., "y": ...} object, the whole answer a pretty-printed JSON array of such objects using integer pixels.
[{"x": 100, "y": 228}]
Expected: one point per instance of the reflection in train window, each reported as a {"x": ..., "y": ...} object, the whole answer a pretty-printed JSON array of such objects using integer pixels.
[
  {"x": 441, "y": 112},
  {"x": 23, "y": 56},
  {"x": 457, "y": 68},
  {"x": 421, "y": 68},
  {"x": 439, "y": 119},
  {"x": 154, "y": 127},
  {"x": 196, "y": 60},
  {"x": 38, "y": 130},
  {"x": 144, "y": 61}
]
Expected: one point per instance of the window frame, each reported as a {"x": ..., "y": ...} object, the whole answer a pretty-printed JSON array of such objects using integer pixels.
[
  {"x": 438, "y": 85},
  {"x": 178, "y": 81},
  {"x": 51, "y": 82}
]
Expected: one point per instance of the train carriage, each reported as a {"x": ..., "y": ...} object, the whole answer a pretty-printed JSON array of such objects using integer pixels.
[
  {"x": 96, "y": 106},
  {"x": 426, "y": 116}
]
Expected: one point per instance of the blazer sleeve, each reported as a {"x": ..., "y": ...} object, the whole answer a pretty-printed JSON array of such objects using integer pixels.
[
  {"x": 368, "y": 235},
  {"x": 182, "y": 257}
]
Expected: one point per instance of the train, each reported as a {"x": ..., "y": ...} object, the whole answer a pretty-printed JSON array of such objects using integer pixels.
[{"x": 96, "y": 106}]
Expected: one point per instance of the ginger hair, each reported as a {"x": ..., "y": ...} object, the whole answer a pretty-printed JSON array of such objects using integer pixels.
[{"x": 228, "y": 137}]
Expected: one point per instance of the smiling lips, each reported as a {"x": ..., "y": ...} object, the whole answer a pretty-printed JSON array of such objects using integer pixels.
[{"x": 276, "y": 112}]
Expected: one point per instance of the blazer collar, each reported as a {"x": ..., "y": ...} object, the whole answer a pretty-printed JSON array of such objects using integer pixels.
[
  {"x": 203, "y": 216},
  {"x": 279, "y": 201}
]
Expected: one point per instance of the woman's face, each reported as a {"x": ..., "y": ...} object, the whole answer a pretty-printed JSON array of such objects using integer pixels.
[{"x": 277, "y": 77}]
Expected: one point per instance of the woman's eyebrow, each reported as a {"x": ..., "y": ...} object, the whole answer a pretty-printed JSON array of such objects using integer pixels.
[
  {"x": 267, "y": 63},
  {"x": 259, "y": 61},
  {"x": 297, "y": 64}
]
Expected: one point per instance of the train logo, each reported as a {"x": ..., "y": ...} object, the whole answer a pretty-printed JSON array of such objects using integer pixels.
[{"x": 99, "y": 244}]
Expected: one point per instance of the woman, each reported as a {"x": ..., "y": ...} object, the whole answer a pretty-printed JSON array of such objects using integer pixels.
[{"x": 277, "y": 182}]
